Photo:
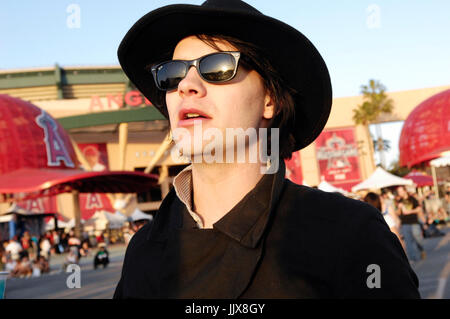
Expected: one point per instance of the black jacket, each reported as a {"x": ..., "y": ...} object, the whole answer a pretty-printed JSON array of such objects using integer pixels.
[{"x": 281, "y": 240}]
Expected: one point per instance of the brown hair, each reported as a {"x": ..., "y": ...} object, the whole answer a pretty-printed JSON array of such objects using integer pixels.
[
  {"x": 254, "y": 58},
  {"x": 373, "y": 199}
]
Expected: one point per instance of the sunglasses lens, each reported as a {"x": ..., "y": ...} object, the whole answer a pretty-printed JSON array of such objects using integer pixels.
[
  {"x": 217, "y": 67},
  {"x": 170, "y": 74}
]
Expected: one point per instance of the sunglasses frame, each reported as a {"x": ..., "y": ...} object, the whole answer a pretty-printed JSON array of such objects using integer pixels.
[{"x": 196, "y": 62}]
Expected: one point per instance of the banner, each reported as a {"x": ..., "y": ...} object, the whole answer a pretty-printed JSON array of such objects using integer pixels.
[
  {"x": 294, "y": 168},
  {"x": 96, "y": 155},
  {"x": 337, "y": 154},
  {"x": 92, "y": 202},
  {"x": 40, "y": 205}
]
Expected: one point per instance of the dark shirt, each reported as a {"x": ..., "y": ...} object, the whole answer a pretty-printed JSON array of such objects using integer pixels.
[
  {"x": 409, "y": 204},
  {"x": 281, "y": 240}
]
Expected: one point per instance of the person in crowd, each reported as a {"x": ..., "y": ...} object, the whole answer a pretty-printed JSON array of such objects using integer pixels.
[
  {"x": 64, "y": 242},
  {"x": 431, "y": 229},
  {"x": 106, "y": 238},
  {"x": 99, "y": 237},
  {"x": 85, "y": 250},
  {"x": 23, "y": 268},
  {"x": 71, "y": 258},
  {"x": 35, "y": 246},
  {"x": 74, "y": 243},
  {"x": 3, "y": 255},
  {"x": 27, "y": 248},
  {"x": 14, "y": 248},
  {"x": 44, "y": 265},
  {"x": 101, "y": 257},
  {"x": 56, "y": 242},
  {"x": 92, "y": 239},
  {"x": 10, "y": 264},
  {"x": 45, "y": 247},
  {"x": 446, "y": 204},
  {"x": 138, "y": 224},
  {"x": 411, "y": 215},
  {"x": 128, "y": 234},
  {"x": 388, "y": 213},
  {"x": 36, "y": 268}
]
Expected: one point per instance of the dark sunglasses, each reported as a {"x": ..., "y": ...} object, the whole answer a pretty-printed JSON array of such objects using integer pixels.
[{"x": 213, "y": 68}]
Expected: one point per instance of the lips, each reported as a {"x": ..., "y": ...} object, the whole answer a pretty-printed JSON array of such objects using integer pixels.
[{"x": 187, "y": 116}]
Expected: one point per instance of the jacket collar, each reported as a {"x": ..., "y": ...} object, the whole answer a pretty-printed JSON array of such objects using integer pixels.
[
  {"x": 247, "y": 221},
  {"x": 244, "y": 223}
]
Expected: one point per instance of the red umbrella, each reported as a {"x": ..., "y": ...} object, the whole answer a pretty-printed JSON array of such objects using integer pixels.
[
  {"x": 37, "y": 158},
  {"x": 419, "y": 178},
  {"x": 426, "y": 131}
]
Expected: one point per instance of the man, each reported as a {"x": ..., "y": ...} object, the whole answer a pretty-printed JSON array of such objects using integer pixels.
[
  {"x": 239, "y": 229},
  {"x": 101, "y": 257},
  {"x": 410, "y": 212},
  {"x": 446, "y": 203}
]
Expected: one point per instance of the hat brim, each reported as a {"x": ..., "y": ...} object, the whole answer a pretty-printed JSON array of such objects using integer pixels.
[{"x": 154, "y": 37}]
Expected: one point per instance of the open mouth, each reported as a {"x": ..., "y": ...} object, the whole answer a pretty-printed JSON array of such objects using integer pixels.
[
  {"x": 189, "y": 114},
  {"x": 193, "y": 116}
]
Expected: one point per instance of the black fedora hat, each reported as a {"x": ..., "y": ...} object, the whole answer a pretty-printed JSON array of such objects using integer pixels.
[{"x": 154, "y": 37}]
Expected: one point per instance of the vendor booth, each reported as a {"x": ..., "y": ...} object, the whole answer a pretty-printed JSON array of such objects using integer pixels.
[
  {"x": 38, "y": 159},
  {"x": 381, "y": 179}
]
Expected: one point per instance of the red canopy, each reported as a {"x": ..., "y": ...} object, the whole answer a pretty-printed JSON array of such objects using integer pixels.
[
  {"x": 426, "y": 131},
  {"x": 37, "y": 158},
  {"x": 52, "y": 182},
  {"x": 419, "y": 178}
]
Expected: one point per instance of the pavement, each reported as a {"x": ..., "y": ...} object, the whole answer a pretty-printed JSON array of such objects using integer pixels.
[
  {"x": 95, "y": 284},
  {"x": 433, "y": 273},
  {"x": 434, "y": 270}
]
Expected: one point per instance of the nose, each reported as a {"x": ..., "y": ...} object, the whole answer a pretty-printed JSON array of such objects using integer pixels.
[{"x": 192, "y": 84}]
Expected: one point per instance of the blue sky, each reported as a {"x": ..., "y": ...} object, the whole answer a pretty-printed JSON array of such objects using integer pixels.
[
  {"x": 409, "y": 47},
  {"x": 404, "y": 44}
]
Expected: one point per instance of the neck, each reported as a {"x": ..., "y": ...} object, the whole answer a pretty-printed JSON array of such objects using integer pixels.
[{"x": 218, "y": 187}]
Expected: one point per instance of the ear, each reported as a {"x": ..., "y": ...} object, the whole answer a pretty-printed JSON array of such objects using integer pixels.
[{"x": 269, "y": 107}]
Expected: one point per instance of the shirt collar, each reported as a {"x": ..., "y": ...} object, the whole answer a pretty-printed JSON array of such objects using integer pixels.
[
  {"x": 245, "y": 222},
  {"x": 183, "y": 188}
]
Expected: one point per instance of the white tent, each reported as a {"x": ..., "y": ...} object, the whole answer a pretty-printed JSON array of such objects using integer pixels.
[
  {"x": 103, "y": 219},
  {"x": 61, "y": 224},
  {"x": 139, "y": 215},
  {"x": 6, "y": 218},
  {"x": 14, "y": 208},
  {"x": 441, "y": 161},
  {"x": 115, "y": 220},
  {"x": 379, "y": 179},
  {"x": 327, "y": 187},
  {"x": 71, "y": 223},
  {"x": 121, "y": 216}
]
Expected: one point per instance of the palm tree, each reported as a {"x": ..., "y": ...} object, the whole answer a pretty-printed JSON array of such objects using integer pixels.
[
  {"x": 381, "y": 144},
  {"x": 375, "y": 102},
  {"x": 398, "y": 170}
]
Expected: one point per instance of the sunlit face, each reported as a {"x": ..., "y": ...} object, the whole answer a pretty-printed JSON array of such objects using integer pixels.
[
  {"x": 239, "y": 103},
  {"x": 401, "y": 191}
]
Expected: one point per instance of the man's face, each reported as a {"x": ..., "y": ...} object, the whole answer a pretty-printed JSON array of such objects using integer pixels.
[{"x": 239, "y": 103}]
